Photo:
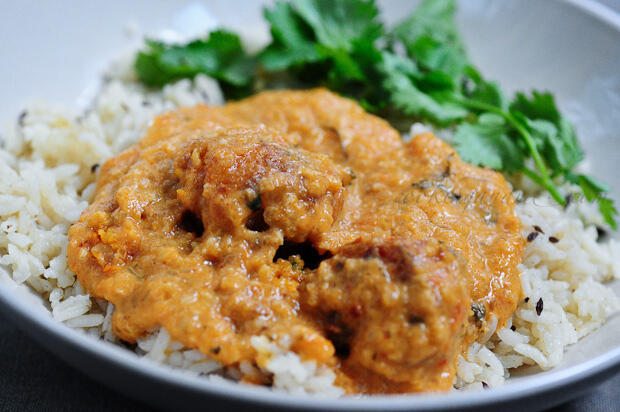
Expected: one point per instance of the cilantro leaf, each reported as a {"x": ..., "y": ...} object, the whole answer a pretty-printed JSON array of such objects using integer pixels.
[
  {"x": 147, "y": 65},
  {"x": 287, "y": 27},
  {"x": 433, "y": 18},
  {"x": 560, "y": 155},
  {"x": 593, "y": 187},
  {"x": 321, "y": 31},
  {"x": 293, "y": 41},
  {"x": 431, "y": 40},
  {"x": 559, "y": 143},
  {"x": 431, "y": 37},
  {"x": 486, "y": 143},
  {"x": 437, "y": 109},
  {"x": 221, "y": 56},
  {"x": 338, "y": 23},
  {"x": 608, "y": 211},
  {"x": 595, "y": 190},
  {"x": 405, "y": 96},
  {"x": 475, "y": 88},
  {"x": 327, "y": 43},
  {"x": 436, "y": 56},
  {"x": 489, "y": 93},
  {"x": 539, "y": 106}
]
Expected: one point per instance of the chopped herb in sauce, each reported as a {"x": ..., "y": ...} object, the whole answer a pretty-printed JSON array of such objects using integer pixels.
[
  {"x": 422, "y": 184},
  {"x": 479, "y": 311},
  {"x": 255, "y": 203}
]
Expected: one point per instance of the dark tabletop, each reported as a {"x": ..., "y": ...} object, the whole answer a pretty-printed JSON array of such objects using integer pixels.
[{"x": 32, "y": 379}]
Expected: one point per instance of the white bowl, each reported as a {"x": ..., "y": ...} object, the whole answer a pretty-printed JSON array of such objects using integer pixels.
[{"x": 57, "y": 50}]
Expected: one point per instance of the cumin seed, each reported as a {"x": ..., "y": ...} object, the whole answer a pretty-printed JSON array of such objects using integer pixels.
[
  {"x": 539, "y": 306},
  {"x": 21, "y": 118},
  {"x": 532, "y": 236}
]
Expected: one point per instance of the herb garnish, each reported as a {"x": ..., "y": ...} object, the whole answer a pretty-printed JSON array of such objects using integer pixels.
[
  {"x": 417, "y": 70},
  {"x": 479, "y": 311},
  {"x": 220, "y": 56},
  {"x": 255, "y": 203}
]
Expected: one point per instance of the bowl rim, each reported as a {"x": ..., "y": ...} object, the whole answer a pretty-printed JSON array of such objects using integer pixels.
[
  {"x": 606, "y": 363},
  {"x": 37, "y": 323},
  {"x": 597, "y": 10}
]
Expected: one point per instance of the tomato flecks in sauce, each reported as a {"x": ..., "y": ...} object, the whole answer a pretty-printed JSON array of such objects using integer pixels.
[{"x": 296, "y": 215}]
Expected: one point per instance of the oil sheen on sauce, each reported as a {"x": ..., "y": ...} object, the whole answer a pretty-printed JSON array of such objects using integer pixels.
[{"x": 296, "y": 216}]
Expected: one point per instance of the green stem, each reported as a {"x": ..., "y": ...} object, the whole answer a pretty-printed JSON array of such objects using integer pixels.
[
  {"x": 533, "y": 176},
  {"x": 539, "y": 181},
  {"x": 544, "y": 179}
]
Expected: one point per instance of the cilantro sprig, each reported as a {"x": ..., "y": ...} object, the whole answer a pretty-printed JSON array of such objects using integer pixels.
[{"x": 417, "y": 70}]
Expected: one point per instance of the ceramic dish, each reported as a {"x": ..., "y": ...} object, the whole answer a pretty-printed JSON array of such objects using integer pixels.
[{"x": 569, "y": 47}]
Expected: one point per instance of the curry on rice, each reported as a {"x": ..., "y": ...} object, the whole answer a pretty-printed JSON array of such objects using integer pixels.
[{"x": 296, "y": 216}]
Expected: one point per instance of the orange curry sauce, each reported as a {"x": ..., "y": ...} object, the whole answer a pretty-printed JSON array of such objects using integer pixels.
[{"x": 297, "y": 216}]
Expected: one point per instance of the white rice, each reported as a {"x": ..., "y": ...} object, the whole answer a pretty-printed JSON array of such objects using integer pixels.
[
  {"x": 48, "y": 168},
  {"x": 567, "y": 277}
]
